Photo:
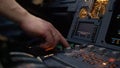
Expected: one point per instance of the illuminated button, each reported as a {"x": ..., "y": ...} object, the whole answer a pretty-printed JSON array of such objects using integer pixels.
[
  {"x": 111, "y": 60},
  {"x": 104, "y": 63},
  {"x": 83, "y": 13},
  {"x": 90, "y": 47}
]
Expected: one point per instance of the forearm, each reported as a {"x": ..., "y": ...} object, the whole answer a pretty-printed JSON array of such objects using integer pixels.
[{"x": 12, "y": 10}]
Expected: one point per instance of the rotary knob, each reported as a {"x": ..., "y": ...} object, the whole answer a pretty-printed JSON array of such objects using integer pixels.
[
  {"x": 90, "y": 47},
  {"x": 68, "y": 50},
  {"x": 77, "y": 47},
  {"x": 102, "y": 51}
]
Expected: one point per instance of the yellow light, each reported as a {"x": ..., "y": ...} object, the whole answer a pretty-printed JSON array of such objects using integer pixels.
[
  {"x": 102, "y": 1},
  {"x": 83, "y": 13},
  {"x": 98, "y": 9},
  {"x": 37, "y": 2},
  {"x": 104, "y": 63}
]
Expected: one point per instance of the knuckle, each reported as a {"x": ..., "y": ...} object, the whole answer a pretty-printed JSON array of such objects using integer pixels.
[{"x": 50, "y": 24}]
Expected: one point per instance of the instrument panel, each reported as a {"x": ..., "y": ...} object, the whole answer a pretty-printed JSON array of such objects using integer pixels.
[
  {"x": 92, "y": 28},
  {"x": 96, "y": 22}
]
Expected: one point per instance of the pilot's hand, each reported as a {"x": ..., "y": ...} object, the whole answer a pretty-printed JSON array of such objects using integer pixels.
[{"x": 41, "y": 28}]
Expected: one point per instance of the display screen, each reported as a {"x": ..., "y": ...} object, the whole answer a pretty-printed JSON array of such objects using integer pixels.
[
  {"x": 85, "y": 30},
  {"x": 113, "y": 34}
]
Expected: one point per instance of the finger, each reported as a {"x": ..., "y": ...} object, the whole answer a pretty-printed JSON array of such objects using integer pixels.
[
  {"x": 63, "y": 40},
  {"x": 51, "y": 40},
  {"x": 55, "y": 37},
  {"x": 53, "y": 44},
  {"x": 48, "y": 41}
]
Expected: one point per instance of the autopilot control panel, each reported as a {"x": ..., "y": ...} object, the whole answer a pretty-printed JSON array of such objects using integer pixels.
[
  {"x": 92, "y": 28},
  {"x": 94, "y": 36}
]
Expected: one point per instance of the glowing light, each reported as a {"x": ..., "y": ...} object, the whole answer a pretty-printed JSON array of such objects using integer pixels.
[
  {"x": 112, "y": 60},
  {"x": 102, "y": 0},
  {"x": 85, "y": 0},
  {"x": 49, "y": 55},
  {"x": 37, "y": 2},
  {"x": 104, "y": 63},
  {"x": 99, "y": 9},
  {"x": 29, "y": 47},
  {"x": 83, "y": 13}
]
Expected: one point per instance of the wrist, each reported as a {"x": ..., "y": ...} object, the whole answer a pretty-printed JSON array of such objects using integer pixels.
[{"x": 23, "y": 17}]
